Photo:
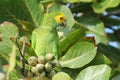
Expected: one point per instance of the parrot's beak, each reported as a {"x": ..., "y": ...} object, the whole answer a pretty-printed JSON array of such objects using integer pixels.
[{"x": 64, "y": 23}]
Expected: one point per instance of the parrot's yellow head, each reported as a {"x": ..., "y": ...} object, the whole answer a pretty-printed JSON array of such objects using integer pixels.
[
  {"x": 61, "y": 19},
  {"x": 55, "y": 19}
]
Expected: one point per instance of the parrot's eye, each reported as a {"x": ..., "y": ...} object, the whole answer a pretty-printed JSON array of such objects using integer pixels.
[{"x": 60, "y": 18}]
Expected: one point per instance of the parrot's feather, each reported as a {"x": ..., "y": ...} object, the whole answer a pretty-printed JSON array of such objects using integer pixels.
[{"x": 45, "y": 38}]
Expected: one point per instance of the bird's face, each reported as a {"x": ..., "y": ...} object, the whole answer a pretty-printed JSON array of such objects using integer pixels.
[{"x": 61, "y": 19}]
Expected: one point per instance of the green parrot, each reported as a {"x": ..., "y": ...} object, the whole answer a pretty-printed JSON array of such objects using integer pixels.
[{"x": 45, "y": 38}]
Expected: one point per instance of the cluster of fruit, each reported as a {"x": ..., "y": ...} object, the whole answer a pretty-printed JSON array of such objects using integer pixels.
[{"x": 43, "y": 65}]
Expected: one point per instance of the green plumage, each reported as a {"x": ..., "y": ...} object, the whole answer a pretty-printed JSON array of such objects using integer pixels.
[{"x": 45, "y": 38}]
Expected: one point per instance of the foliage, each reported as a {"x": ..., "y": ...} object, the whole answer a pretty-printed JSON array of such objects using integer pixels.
[{"x": 84, "y": 44}]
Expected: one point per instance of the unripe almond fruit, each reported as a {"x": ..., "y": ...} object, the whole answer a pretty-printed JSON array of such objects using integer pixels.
[
  {"x": 55, "y": 63},
  {"x": 33, "y": 70},
  {"x": 41, "y": 59},
  {"x": 49, "y": 57},
  {"x": 51, "y": 73},
  {"x": 39, "y": 67},
  {"x": 32, "y": 61},
  {"x": 48, "y": 67},
  {"x": 42, "y": 74}
]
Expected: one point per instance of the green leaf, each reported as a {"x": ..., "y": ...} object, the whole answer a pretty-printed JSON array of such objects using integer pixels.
[
  {"x": 99, "y": 72},
  {"x": 27, "y": 27},
  {"x": 36, "y": 11},
  {"x": 12, "y": 61},
  {"x": 71, "y": 39},
  {"x": 3, "y": 61},
  {"x": 111, "y": 52},
  {"x": 114, "y": 9},
  {"x": 61, "y": 76},
  {"x": 7, "y": 32},
  {"x": 16, "y": 13},
  {"x": 100, "y": 59},
  {"x": 79, "y": 55},
  {"x": 16, "y": 75},
  {"x": 74, "y": 1},
  {"x": 72, "y": 72},
  {"x": 112, "y": 37},
  {"x": 111, "y": 22},
  {"x": 83, "y": 8},
  {"x": 43, "y": 78},
  {"x": 95, "y": 26},
  {"x": 100, "y": 7},
  {"x": 66, "y": 11},
  {"x": 13, "y": 12}
]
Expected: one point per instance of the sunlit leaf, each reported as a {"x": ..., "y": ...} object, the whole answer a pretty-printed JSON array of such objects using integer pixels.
[
  {"x": 95, "y": 27},
  {"x": 99, "y": 72},
  {"x": 74, "y": 1},
  {"x": 7, "y": 32},
  {"x": 71, "y": 39},
  {"x": 101, "y": 6},
  {"x": 79, "y": 55},
  {"x": 12, "y": 61},
  {"x": 61, "y": 76},
  {"x": 35, "y": 10}
]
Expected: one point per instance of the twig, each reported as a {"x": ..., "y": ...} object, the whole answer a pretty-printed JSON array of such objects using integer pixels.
[
  {"x": 22, "y": 58},
  {"x": 22, "y": 54},
  {"x": 18, "y": 44}
]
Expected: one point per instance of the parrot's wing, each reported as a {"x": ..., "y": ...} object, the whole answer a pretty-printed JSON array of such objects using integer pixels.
[{"x": 33, "y": 38}]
